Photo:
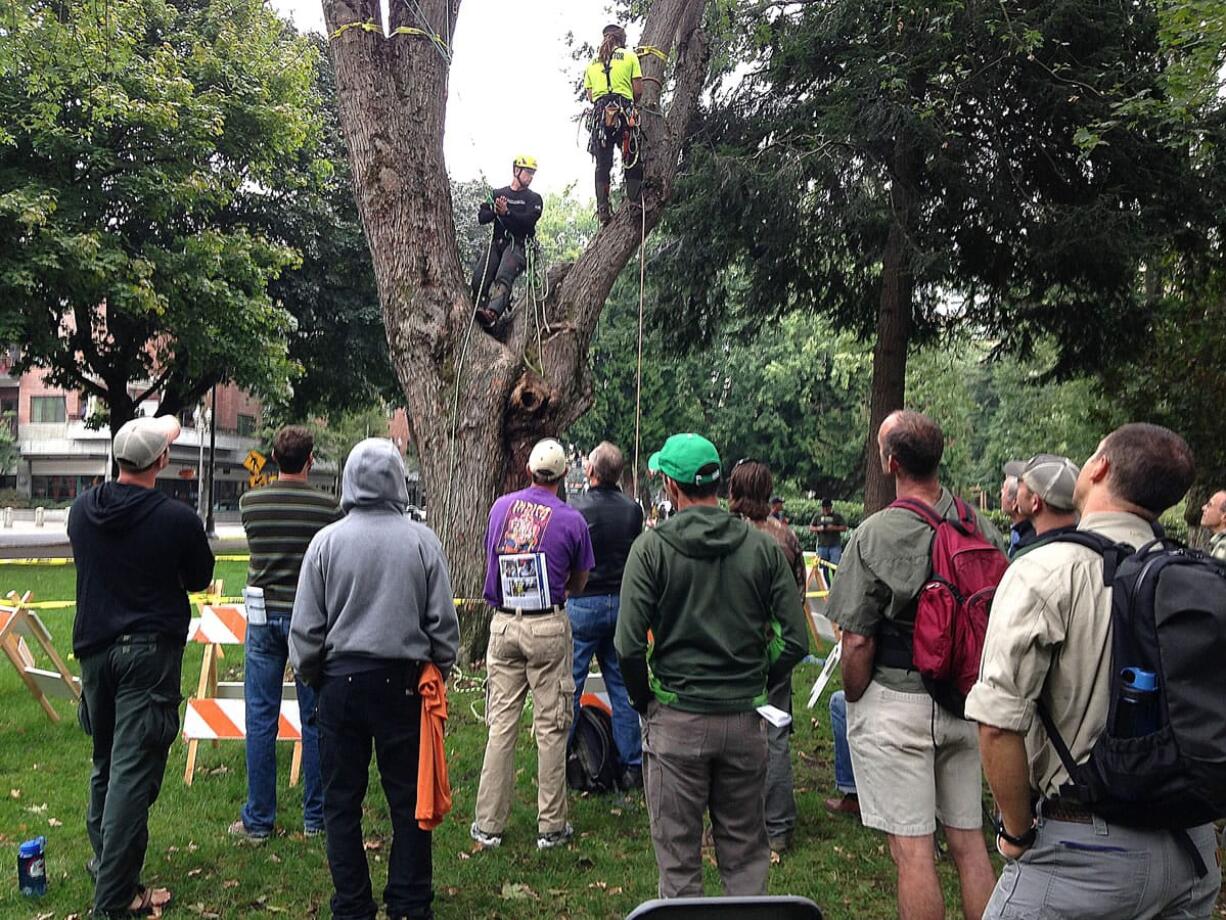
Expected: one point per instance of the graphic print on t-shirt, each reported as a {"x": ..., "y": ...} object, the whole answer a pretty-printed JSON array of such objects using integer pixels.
[
  {"x": 523, "y": 529},
  {"x": 522, "y": 571}
]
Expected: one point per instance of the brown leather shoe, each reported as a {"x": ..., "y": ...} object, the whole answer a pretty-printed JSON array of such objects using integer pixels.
[
  {"x": 847, "y": 805},
  {"x": 487, "y": 318}
]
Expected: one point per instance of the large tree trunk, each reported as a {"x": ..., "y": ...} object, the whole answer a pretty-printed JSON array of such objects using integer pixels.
[
  {"x": 475, "y": 405},
  {"x": 894, "y": 323}
]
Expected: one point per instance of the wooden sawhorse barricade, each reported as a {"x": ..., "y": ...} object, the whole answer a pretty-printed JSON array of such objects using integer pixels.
[
  {"x": 218, "y": 712},
  {"x": 17, "y": 624}
]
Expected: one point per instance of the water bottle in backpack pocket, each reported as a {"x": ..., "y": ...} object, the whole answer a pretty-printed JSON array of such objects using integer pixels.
[{"x": 1136, "y": 710}]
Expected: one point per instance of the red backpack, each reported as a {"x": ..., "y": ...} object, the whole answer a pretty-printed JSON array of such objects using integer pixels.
[{"x": 951, "y": 612}]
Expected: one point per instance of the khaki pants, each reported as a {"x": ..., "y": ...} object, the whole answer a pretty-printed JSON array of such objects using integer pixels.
[
  {"x": 527, "y": 653},
  {"x": 696, "y": 762}
]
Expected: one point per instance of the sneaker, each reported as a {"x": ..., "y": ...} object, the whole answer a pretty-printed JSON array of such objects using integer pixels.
[
  {"x": 489, "y": 841},
  {"x": 849, "y": 804},
  {"x": 312, "y": 832},
  {"x": 240, "y": 830},
  {"x": 551, "y": 839}
]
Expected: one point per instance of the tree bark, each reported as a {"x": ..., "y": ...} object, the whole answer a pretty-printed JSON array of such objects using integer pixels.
[
  {"x": 894, "y": 323},
  {"x": 476, "y": 404}
]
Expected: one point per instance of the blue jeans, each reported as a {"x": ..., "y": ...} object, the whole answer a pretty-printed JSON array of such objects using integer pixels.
[
  {"x": 833, "y": 555},
  {"x": 844, "y": 776},
  {"x": 267, "y": 650},
  {"x": 592, "y": 623}
]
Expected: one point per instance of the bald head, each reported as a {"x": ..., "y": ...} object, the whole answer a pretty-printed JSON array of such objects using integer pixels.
[
  {"x": 911, "y": 444},
  {"x": 1213, "y": 512}
]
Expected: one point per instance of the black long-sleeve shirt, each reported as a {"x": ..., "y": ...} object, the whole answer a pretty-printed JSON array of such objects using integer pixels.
[
  {"x": 138, "y": 552},
  {"x": 523, "y": 211}
]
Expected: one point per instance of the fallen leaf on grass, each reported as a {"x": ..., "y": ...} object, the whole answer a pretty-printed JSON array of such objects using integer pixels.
[
  {"x": 46, "y": 916},
  {"x": 37, "y": 809},
  {"x": 230, "y": 883},
  {"x": 373, "y": 844},
  {"x": 517, "y": 891},
  {"x": 192, "y": 873},
  {"x": 201, "y": 910},
  {"x": 775, "y": 858},
  {"x": 616, "y": 812},
  {"x": 616, "y": 890},
  {"x": 14, "y": 793},
  {"x": 55, "y": 822},
  {"x": 273, "y": 857},
  {"x": 451, "y": 891},
  {"x": 464, "y": 855}
]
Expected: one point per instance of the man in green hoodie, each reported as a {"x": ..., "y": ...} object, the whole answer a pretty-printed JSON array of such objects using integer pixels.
[{"x": 720, "y": 603}]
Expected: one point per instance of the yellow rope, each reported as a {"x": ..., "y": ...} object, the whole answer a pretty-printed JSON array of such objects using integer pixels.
[{"x": 652, "y": 50}]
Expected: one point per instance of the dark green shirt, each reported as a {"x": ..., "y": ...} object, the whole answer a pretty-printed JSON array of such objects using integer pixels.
[{"x": 280, "y": 520}]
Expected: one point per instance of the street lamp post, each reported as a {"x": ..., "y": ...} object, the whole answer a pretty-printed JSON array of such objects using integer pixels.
[
  {"x": 203, "y": 418},
  {"x": 210, "y": 527}
]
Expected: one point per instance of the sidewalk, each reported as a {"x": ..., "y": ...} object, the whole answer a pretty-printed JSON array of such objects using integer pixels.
[{"x": 51, "y": 540}]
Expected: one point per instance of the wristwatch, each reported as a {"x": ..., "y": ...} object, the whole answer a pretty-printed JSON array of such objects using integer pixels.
[{"x": 1024, "y": 841}]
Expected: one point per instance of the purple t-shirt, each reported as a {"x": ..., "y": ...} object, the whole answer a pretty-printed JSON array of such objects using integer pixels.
[{"x": 535, "y": 520}]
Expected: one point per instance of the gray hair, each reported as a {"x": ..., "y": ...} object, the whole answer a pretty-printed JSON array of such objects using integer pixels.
[
  {"x": 606, "y": 463},
  {"x": 1010, "y": 488}
]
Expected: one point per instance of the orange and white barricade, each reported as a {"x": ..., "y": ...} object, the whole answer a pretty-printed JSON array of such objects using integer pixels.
[
  {"x": 17, "y": 624},
  {"x": 218, "y": 712}
]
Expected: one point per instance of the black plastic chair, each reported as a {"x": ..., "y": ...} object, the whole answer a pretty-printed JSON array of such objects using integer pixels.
[{"x": 766, "y": 907}]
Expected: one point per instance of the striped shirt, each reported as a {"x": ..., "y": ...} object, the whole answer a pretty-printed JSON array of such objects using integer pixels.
[{"x": 280, "y": 520}]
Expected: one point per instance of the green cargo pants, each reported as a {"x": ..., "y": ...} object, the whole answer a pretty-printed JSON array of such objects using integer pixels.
[{"x": 130, "y": 706}]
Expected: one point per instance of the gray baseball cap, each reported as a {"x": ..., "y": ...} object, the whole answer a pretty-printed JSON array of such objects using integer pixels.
[
  {"x": 141, "y": 441},
  {"x": 1052, "y": 478},
  {"x": 1014, "y": 468}
]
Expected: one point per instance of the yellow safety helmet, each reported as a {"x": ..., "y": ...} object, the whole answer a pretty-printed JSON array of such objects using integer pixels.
[{"x": 523, "y": 161}]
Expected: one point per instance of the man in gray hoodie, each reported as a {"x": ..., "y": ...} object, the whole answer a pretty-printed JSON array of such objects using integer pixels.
[{"x": 374, "y": 604}]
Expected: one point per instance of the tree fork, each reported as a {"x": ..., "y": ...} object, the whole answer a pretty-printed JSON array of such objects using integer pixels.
[{"x": 476, "y": 404}]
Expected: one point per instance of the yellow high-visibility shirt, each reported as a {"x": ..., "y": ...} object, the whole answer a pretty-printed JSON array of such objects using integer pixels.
[{"x": 624, "y": 69}]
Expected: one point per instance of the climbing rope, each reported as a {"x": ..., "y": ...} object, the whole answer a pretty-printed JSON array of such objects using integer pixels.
[
  {"x": 455, "y": 400},
  {"x": 638, "y": 370}
]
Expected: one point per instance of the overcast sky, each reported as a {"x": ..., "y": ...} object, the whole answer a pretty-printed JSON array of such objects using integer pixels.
[{"x": 512, "y": 87}]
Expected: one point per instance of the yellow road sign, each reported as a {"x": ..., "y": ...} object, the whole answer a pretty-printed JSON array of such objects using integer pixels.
[{"x": 254, "y": 462}]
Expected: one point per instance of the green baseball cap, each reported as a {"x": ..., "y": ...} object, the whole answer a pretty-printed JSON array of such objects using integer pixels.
[{"x": 682, "y": 456}]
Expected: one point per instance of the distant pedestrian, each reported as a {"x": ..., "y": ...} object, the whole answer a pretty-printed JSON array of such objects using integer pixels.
[
  {"x": 137, "y": 553},
  {"x": 710, "y": 589},
  {"x": 279, "y": 519},
  {"x": 1213, "y": 516},
  {"x": 749, "y": 486},
  {"x": 829, "y": 526},
  {"x": 538, "y": 551},
  {"x": 776, "y": 510},
  {"x": 614, "y": 522},
  {"x": 373, "y": 607}
]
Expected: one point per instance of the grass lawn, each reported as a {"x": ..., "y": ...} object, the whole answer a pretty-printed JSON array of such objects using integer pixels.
[{"x": 605, "y": 873}]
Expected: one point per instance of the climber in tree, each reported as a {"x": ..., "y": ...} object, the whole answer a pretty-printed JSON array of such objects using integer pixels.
[
  {"x": 514, "y": 210},
  {"x": 614, "y": 83}
]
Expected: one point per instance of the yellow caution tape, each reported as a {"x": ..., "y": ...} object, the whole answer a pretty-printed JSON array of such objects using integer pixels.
[
  {"x": 48, "y": 561},
  {"x": 368, "y": 26},
  {"x": 653, "y": 50},
  {"x": 372, "y": 26}
]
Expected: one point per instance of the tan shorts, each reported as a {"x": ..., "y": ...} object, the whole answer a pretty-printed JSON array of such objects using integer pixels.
[{"x": 915, "y": 763}]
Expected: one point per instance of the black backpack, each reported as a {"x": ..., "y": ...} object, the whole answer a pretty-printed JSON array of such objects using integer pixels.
[
  {"x": 591, "y": 759},
  {"x": 1168, "y": 617}
]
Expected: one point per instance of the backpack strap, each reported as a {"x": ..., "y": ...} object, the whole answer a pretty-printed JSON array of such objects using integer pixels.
[
  {"x": 924, "y": 511},
  {"x": 1062, "y": 751},
  {"x": 1113, "y": 553}
]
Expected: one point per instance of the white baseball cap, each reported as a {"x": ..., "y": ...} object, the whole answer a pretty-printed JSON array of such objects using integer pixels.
[
  {"x": 141, "y": 441},
  {"x": 548, "y": 459}
]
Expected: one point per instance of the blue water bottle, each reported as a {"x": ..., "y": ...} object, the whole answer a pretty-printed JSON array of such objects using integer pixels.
[
  {"x": 1137, "y": 714},
  {"x": 32, "y": 867}
]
